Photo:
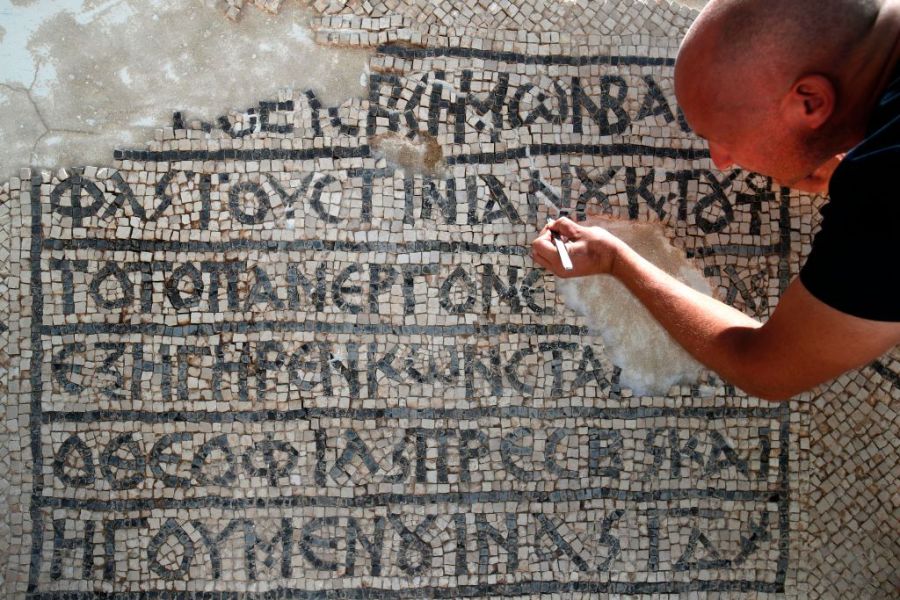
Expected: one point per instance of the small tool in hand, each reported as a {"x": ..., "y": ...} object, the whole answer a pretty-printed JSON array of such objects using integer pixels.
[{"x": 561, "y": 248}]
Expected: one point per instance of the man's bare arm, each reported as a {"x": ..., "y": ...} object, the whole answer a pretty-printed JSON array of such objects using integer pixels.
[{"x": 804, "y": 343}]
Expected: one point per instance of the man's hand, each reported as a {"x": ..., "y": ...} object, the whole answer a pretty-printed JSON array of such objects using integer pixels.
[
  {"x": 593, "y": 249},
  {"x": 804, "y": 342}
]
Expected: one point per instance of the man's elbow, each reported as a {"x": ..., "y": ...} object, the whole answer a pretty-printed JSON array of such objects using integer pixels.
[
  {"x": 753, "y": 369},
  {"x": 767, "y": 387}
]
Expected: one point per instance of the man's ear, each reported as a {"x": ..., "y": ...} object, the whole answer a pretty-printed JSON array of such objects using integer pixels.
[{"x": 810, "y": 101}]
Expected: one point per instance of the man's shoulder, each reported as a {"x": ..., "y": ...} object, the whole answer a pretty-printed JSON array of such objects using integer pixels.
[
  {"x": 880, "y": 147},
  {"x": 868, "y": 174},
  {"x": 854, "y": 261}
]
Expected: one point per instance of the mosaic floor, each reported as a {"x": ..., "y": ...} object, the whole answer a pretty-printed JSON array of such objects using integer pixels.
[{"x": 298, "y": 349}]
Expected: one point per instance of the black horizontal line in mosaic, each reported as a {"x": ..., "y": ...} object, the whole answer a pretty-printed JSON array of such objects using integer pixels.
[
  {"x": 390, "y": 499},
  {"x": 781, "y": 412},
  {"x": 131, "y": 245},
  {"x": 364, "y": 151},
  {"x": 504, "y": 590},
  {"x": 736, "y": 250},
  {"x": 484, "y": 330},
  {"x": 405, "y": 52}
]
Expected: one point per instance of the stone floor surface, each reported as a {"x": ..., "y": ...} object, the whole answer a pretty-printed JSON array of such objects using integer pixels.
[{"x": 270, "y": 327}]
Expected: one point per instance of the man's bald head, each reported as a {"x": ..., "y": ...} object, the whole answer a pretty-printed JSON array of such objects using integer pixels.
[
  {"x": 775, "y": 40},
  {"x": 776, "y": 85}
]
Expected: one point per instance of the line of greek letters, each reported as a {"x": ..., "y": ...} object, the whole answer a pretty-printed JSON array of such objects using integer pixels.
[
  {"x": 434, "y": 103},
  {"x": 251, "y": 121},
  {"x": 146, "y": 287},
  {"x": 119, "y": 370},
  {"x": 416, "y": 455},
  {"x": 703, "y": 196},
  {"x": 350, "y": 546}
]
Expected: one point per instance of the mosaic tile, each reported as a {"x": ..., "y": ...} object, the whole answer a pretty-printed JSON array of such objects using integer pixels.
[{"x": 300, "y": 350}]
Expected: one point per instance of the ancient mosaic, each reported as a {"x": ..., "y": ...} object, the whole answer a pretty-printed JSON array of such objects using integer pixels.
[{"x": 300, "y": 350}]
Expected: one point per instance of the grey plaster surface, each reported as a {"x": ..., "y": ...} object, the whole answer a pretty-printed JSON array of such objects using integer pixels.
[{"x": 79, "y": 77}]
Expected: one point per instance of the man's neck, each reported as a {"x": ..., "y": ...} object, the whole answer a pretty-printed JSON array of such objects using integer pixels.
[{"x": 867, "y": 72}]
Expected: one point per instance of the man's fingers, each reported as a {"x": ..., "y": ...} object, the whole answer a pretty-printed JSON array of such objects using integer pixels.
[
  {"x": 544, "y": 262},
  {"x": 545, "y": 238},
  {"x": 566, "y": 227},
  {"x": 539, "y": 260},
  {"x": 543, "y": 246}
]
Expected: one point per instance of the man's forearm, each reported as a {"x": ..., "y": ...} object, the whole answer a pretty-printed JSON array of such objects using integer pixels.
[
  {"x": 714, "y": 333},
  {"x": 804, "y": 342}
]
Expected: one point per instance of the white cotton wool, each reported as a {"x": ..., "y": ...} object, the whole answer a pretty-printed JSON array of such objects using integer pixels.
[{"x": 650, "y": 359}]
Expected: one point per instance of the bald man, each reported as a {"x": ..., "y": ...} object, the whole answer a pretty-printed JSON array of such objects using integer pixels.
[{"x": 807, "y": 92}]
